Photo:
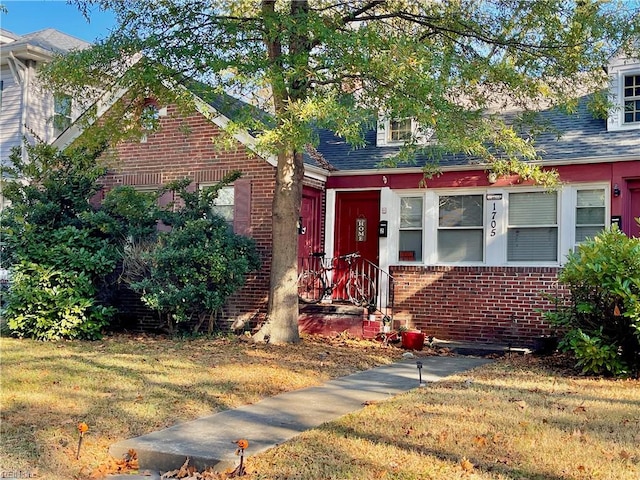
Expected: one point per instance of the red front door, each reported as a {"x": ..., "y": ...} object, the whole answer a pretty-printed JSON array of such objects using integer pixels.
[
  {"x": 309, "y": 232},
  {"x": 357, "y": 219}
]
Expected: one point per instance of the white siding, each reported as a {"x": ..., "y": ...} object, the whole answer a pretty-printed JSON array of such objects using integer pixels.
[
  {"x": 40, "y": 113},
  {"x": 10, "y": 113}
]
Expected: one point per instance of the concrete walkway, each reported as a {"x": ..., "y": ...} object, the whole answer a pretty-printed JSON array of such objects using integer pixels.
[{"x": 208, "y": 441}]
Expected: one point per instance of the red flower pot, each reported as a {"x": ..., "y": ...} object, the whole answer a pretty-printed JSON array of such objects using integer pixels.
[{"x": 413, "y": 340}]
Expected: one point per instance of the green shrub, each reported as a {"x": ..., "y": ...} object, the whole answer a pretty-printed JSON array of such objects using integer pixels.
[
  {"x": 187, "y": 273},
  {"x": 55, "y": 245},
  {"x": 50, "y": 304},
  {"x": 602, "y": 316}
]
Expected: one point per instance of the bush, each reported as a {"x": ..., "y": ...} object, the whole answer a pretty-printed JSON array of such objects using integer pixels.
[
  {"x": 50, "y": 304},
  {"x": 55, "y": 245},
  {"x": 602, "y": 317},
  {"x": 194, "y": 269},
  {"x": 187, "y": 273}
]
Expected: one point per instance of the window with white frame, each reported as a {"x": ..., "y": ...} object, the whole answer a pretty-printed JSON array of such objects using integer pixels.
[
  {"x": 590, "y": 213},
  {"x": 460, "y": 228},
  {"x": 400, "y": 130},
  {"x": 631, "y": 98},
  {"x": 410, "y": 238},
  {"x": 223, "y": 205},
  {"x": 61, "y": 113},
  {"x": 532, "y": 234}
]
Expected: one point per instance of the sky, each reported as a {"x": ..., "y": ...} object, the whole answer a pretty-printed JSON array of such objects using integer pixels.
[{"x": 26, "y": 16}]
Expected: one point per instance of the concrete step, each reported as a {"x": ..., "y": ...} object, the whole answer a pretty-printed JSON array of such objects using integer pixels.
[{"x": 330, "y": 319}]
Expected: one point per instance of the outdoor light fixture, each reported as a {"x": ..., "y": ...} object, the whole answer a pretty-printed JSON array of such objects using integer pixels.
[
  {"x": 419, "y": 365},
  {"x": 616, "y": 190}
]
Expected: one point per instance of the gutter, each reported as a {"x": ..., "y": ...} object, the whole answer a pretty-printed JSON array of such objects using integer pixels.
[{"x": 26, "y": 52}]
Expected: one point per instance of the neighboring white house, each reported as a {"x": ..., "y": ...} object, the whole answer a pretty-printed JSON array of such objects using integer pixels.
[{"x": 26, "y": 109}]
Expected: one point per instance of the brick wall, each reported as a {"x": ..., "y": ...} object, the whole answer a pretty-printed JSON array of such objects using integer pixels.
[
  {"x": 476, "y": 304},
  {"x": 182, "y": 148}
]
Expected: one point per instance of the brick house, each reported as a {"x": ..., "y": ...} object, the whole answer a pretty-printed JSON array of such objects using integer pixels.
[
  {"x": 182, "y": 147},
  {"x": 470, "y": 254},
  {"x": 465, "y": 258}
]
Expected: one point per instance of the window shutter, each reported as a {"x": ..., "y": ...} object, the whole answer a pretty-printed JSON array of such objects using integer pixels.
[
  {"x": 242, "y": 208},
  {"x": 165, "y": 199}
]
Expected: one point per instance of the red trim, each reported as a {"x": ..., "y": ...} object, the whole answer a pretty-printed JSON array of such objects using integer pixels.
[{"x": 592, "y": 172}]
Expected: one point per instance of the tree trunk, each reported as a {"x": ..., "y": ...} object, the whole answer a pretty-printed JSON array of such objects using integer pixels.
[{"x": 282, "y": 314}]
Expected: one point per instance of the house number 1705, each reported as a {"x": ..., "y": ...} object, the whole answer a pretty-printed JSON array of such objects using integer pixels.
[{"x": 494, "y": 223}]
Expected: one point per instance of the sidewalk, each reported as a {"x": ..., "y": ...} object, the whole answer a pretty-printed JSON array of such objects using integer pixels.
[{"x": 208, "y": 441}]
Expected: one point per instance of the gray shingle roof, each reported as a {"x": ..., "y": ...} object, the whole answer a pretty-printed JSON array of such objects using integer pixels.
[
  {"x": 583, "y": 138},
  {"x": 49, "y": 39}
]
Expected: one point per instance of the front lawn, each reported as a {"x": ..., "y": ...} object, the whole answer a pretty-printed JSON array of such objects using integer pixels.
[
  {"x": 518, "y": 418},
  {"x": 515, "y": 419}
]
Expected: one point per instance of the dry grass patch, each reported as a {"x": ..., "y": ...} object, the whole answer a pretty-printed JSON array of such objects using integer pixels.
[
  {"x": 519, "y": 418},
  {"x": 124, "y": 386}
]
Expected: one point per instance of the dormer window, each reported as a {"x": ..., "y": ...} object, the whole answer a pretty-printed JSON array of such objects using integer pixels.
[
  {"x": 631, "y": 95},
  {"x": 624, "y": 92},
  {"x": 400, "y": 130}
]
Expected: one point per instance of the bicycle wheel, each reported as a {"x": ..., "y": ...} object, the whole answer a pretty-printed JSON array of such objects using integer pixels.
[
  {"x": 311, "y": 286},
  {"x": 361, "y": 290}
]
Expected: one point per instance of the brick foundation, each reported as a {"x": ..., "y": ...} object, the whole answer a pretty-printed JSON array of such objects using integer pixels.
[{"x": 475, "y": 304}]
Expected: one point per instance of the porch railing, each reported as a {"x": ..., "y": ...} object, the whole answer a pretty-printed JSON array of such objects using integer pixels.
[
  {"x": 385, "y": 287},
  {"x": 383, "y": 281}
]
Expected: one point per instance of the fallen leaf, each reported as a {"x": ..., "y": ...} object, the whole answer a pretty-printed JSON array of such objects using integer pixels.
[
  {"x": 466, "y": 465},
  {"x": 480, "y": 440},
  {"x": 579, "y": 409},
  {"x": 625, "y": 455}
]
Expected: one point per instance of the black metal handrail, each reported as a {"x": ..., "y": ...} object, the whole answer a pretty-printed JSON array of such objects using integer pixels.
[{"x": 383, "y": 281}]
